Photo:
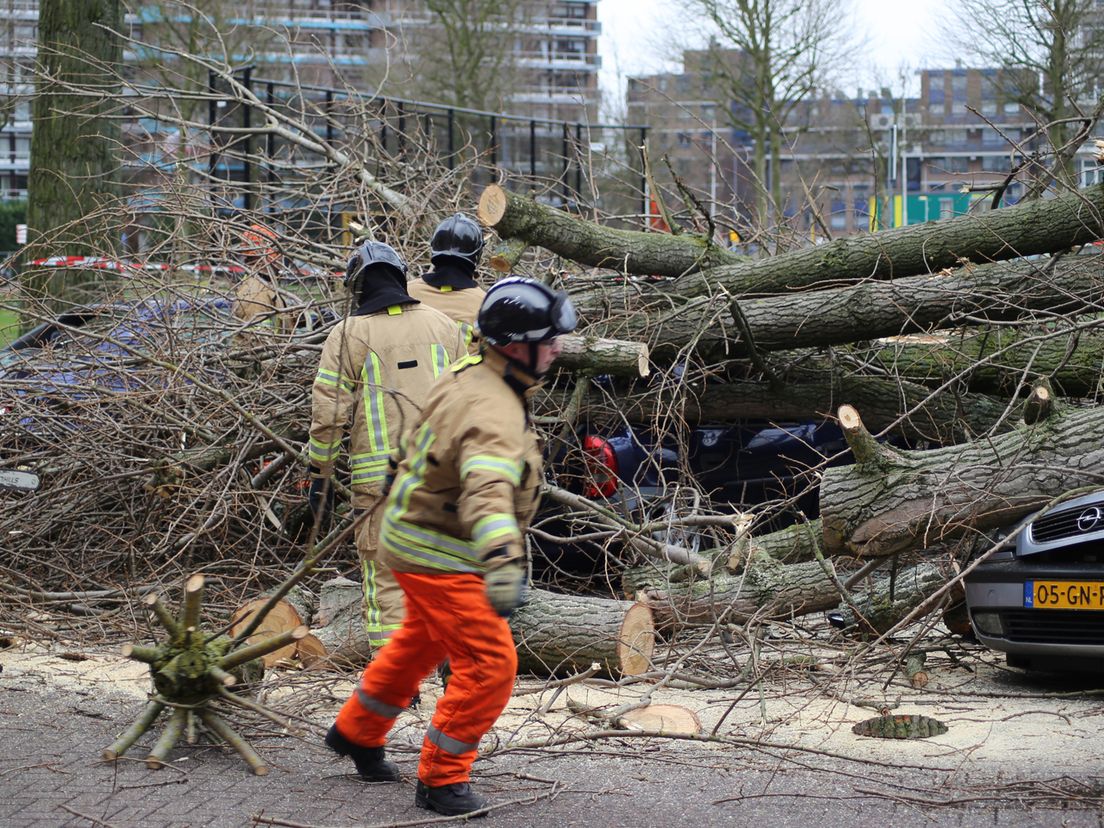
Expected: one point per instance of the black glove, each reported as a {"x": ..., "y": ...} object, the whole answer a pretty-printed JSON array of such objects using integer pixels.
[
  {"x": 389, "y": 477},
  {"x": 321, "y": 498},
  {"x": 505, "y": 586}
]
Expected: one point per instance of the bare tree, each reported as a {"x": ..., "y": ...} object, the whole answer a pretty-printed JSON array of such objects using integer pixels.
[
  {"x": 766, "y": 58},
  {"x": 462, "y": 52},
  {"x": 1051, "y": 53}
]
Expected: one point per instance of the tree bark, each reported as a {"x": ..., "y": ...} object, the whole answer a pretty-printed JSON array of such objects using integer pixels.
[
  {"x": 891, "y": 500},
  {"x": 558, "y": 633},
  {"x": 73, "y": 154},
  {"x": 516, "y": 217},
  {"x": 944, "y": 417},
  {"x": 866, "y": 311},
  {"x": 1002, "y": 360},
  {"x": 879, "y": 608},
  {"x": 766, "y": 589},
  {"x": 592, "y": 355},
  {"x": 1030, "y": 228}
]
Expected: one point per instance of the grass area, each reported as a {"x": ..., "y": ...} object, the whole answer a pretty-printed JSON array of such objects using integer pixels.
[{"x": 9, "y": 326}]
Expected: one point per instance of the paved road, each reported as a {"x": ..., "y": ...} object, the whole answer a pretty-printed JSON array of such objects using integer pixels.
[{"x": 50, "y": 775}]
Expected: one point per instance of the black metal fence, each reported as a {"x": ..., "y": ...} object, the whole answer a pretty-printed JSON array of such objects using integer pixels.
[{"x": 575, "y": 165}]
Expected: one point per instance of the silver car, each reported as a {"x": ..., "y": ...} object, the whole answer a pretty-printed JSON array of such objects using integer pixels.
[{"x": 1041, "y": 598}]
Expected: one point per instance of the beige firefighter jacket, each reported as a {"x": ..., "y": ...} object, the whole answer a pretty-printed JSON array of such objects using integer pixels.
[
  {"x": 374, "y": 373},
  {"x": 469, "y": 476},
  {"x": 461, "y": 306},
  {"x": 259, "y": 302}
]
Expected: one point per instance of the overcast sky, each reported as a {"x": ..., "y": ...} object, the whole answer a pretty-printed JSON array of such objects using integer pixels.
[{"x": 638, "y": 37}]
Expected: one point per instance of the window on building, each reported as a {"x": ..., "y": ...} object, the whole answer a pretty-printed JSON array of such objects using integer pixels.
[
  {"x": 958, "y": 164},
  {"x": 837, "y": 218},
  {"x": 996, "y": 163}
]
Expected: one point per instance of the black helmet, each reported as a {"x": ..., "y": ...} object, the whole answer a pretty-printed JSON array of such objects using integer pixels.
[
  {"x": 457, "y": 237},
  {"x": 371, "y": 253},
  {"x": 518, "y": 309}
]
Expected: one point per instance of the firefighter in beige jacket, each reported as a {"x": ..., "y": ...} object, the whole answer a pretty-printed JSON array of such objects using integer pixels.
[
  {"x": 450, "y": 287},
  {"x": 257, "y": 299},
  {"x": 375, "y": 372},
  {"x": 466, "y": 486}
]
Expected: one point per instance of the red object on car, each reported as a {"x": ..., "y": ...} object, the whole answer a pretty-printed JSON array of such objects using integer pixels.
[{"x": 601, "y": 464}]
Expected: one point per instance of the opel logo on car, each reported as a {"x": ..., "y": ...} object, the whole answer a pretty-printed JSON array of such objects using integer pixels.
[{"x": 1088, "y": 519}]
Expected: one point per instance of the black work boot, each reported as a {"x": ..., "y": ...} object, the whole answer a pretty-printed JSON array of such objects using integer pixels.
[
  {"x": 450, "y": 800},
  {"x": 369, "y": 761}
]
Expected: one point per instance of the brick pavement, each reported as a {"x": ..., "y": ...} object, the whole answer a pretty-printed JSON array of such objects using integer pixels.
[{"x": 50, "y": 775}]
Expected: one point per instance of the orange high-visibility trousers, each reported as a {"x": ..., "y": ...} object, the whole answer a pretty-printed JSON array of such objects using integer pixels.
[{"x": 447, "y": 616}]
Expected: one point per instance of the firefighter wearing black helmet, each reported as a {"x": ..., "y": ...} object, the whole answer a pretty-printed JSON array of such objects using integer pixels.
[
  {"x": 376, "y": 369},
  {"x": 467, "y": 484},
  {"x": 450, "y": 287}
]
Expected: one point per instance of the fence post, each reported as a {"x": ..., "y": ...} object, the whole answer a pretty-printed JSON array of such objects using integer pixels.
[
  {"x": 270, "y": 143},
  {"x": 494, "y": 143},
  {"x": 566, "y": 161},
  {"x": 451, "y": 125},
  {"x": 400, "y": 134},
  {"x": 578, "y": 160},
  {"x": 533, "y": 150},
  {"x": 247, "y": 123}
]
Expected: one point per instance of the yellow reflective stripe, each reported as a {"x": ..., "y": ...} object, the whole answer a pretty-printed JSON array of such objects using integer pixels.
[
  {"x": 468, "y": 332},
  {"x": 324, "y": 377},
  {"x": 374, "y": 412},
  {"x": 509, "y": 469},
  {"x": 439, "y": 357},
  {"x": 464, "y": 362},
  {"x": 445, "y": 288},
  {"x": 394, "y": 310},
  {"x": 432, "y": 549},
  {"x": 487, "y": 531},
  {"x": 323, "y": 451},
  {"x": 378, "y": 633}
]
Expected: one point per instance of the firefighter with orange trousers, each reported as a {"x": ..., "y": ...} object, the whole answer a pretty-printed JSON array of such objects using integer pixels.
[
  {"x": 376, "y": 368},
  {"x": 450, "y": 287},
  {"x": 467, "y": 481}
]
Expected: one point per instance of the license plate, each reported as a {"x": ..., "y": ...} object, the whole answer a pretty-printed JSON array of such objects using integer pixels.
[{"x": 1078, "y": 595}]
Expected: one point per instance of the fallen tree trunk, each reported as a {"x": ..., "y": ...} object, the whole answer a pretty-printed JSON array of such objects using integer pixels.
[
  {"x": 517, "y": 217},
  {"x": 589, "y": 354},
  {"x": 891, "y": 500},
  {"x": 1003, "y": 360},
  {"x": 714, "y": 330},
  {"x": 891, "y": 599},
  {"x": 558, "y": 633},
  {"x": 912, "y": 410},
  {"x": 766, "y": 589},
  {"x": 1029, "y": 228}
]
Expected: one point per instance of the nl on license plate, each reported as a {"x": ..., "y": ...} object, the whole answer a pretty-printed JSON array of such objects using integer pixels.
[{"x": 1078, "y": 595}]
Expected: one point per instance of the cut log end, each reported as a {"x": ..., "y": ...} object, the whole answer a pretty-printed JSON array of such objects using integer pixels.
[
  {"x": 662, "y": 718},
  {"x": 849, "y": 418},
  {"x": 194, "y": 583},
  {"x": 1038, "y": 406},
  {"x": 282, "y": 618},
  {"x": 492, "y": 205},
  {"x": 636, "y": 642},
  {"x": 864, "y": 447}
]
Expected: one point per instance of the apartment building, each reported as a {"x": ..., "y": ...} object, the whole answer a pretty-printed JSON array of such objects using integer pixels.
[
  {"x": 323, "y": 43},
  {"x": 848, "y": 164}
]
